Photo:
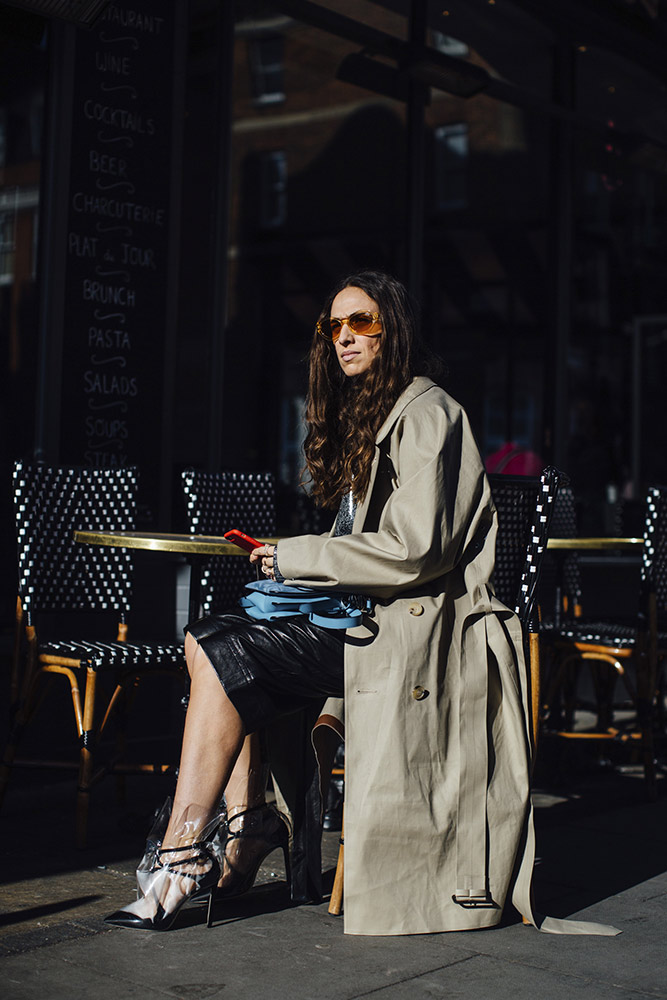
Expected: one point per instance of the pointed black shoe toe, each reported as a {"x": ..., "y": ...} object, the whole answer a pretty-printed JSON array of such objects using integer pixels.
[{"x": 123, "y": 918}]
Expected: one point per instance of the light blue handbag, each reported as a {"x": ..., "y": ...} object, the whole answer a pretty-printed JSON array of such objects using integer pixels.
[{"x": 268, "y": 600}]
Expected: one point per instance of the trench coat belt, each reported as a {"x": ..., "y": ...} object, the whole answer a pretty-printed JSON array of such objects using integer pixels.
[
  {"x": 472, "y": 882},
  {"x": 482, "y": 631}
]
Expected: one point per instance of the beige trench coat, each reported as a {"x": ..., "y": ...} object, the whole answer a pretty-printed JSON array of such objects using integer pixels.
[
  {"x": 438, "y": 822},
  {"x": 437, "y": 756}
]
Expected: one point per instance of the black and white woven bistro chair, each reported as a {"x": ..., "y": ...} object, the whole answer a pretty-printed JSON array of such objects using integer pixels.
[
  {"x": 525, "y": 507},
  {"x": 636, "y": 644},
  {"x": 564, "y": 566},
  {"x": 216, "y": 502},
  {"x": 58, "y": 575},
  {"x": 563, "y": 573}
]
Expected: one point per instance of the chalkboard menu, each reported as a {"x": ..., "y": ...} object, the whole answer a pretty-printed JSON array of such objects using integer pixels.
[{"x": 117, "y": 240}]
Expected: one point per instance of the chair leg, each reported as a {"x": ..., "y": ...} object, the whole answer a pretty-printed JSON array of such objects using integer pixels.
[
  {"x": 336, "y": 901},
  {"x": 118, "y": 701},
  {"x": 645, "y": 713},
  {"x": 604, "y": 683},
  {"x": 86, "y": 759},
  {"x": 534, "y": 653}
]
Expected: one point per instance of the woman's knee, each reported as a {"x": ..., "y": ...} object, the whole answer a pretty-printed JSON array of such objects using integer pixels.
[
  {"x": 191, "y": 647},
  {"x": 204, "y": 674},
  {"x": 196, "y": 659}
]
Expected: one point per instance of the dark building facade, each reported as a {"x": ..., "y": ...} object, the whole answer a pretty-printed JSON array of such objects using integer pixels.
[{"x": 180, "y": 184}]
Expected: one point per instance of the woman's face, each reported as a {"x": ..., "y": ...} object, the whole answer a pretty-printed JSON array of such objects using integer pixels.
[{"x": 355, "y": 352}]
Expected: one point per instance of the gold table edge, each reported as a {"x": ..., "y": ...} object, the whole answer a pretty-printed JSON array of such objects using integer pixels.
[
  {"x": 161, "y": 542},
  {"x": 592, "y": 543}
]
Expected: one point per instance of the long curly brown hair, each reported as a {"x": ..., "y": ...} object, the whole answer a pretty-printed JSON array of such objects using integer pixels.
[{"x": 344, "y": 413}]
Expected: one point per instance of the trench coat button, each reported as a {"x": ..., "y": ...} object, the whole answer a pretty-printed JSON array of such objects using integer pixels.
[
  {"x": 419, "y": 693},
  {"x": 416, "y": 609}
]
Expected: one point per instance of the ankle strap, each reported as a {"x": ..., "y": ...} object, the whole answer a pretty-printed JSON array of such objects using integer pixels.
[
  {"x": 246, "y": 812},
  {"x": 197, "y": 852}
]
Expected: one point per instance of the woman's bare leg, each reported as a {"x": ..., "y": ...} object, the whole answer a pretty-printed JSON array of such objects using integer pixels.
[
  {"x": 212, "y": 743},
  {"x": 246, "y": 787},
  {"x": 209, "y": 739},
  {"x": 212, "y": 740}
]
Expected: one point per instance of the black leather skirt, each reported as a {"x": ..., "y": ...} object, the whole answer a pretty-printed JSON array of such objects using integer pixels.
[{"x": 269, "y": 669}]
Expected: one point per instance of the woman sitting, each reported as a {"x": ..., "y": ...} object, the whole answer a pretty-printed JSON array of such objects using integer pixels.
[{"x": 437, "y": 743}]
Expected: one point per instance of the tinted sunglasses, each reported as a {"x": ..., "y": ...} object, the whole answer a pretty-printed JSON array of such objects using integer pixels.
[{"x": 358, "y": 322}]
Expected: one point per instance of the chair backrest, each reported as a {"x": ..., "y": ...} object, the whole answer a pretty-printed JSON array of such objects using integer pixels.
[
  {"x": 215, "y": 503},
  {"x": 654, "y": 553},
  {"x": 564, "y": 524},
  {"x": 525, "y": 506},
  {"x": 55, "y": 572}
]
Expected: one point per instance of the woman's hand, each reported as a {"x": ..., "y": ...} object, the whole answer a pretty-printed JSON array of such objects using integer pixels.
[{"x": 264, "y": 555}]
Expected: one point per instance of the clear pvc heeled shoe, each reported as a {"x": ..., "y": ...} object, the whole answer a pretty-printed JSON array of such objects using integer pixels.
[
  {"x": 176, "y": 875},
  {"x": 251, "y": 835}
]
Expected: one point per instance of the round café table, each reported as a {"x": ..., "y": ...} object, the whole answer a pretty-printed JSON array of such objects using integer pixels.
[{"x": 195, "y": 547}]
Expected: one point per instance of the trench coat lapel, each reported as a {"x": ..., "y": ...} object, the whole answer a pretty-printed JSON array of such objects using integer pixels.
[{"x": 418, "y": 385}]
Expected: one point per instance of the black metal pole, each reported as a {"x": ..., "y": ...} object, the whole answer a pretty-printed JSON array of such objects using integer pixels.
[
  {"x": 53, "y": 202},
  {"x": 174, "y": 244},
  {"x": 417, "y": 98},
  {"x": 561, "y": 237},
  {"x": 219, "y": 268}
]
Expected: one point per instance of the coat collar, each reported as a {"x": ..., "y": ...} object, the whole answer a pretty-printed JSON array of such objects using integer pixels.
[{"x": 418, "y": 385}]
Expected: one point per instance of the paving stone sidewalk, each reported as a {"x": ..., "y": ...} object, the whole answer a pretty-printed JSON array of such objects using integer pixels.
[{"x": 53, "y": 943}]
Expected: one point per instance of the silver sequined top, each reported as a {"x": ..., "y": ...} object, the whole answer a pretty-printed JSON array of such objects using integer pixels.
[
  {"x": 345, "y": 515},
  {"x": 342, "y": 526}
]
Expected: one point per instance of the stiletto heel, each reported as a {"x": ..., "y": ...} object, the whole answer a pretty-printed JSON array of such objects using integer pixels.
[
  {"x": 288, "y": 866},
  {"x": 269, "y": 829}
]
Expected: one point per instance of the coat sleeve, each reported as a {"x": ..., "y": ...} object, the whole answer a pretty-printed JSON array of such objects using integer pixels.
[{"x": 439, "y": 509}]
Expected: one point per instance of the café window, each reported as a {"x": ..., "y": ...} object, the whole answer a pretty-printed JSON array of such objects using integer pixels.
[
  {"x": 273, "y": 189},
  {"x": 451, "y": 159},
  {"x": 267, "y": 69}
]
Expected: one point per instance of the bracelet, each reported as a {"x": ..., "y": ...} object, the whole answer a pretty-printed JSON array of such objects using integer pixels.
[{"x": 277, "y": 575}]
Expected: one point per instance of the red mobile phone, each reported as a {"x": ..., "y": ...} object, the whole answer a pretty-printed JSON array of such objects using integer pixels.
[{"x": 239, "y": 538}]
